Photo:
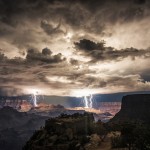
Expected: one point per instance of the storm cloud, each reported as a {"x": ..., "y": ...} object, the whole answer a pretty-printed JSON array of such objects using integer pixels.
[
  {"x": 23, "y": 23},
  {"x": 45, "y": 56},
  {"x": 99, "y": 52},
  {"x": 62, "y": 46}
]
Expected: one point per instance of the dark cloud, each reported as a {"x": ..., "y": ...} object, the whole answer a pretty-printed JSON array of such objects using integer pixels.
[
  {"x": 80, "y": 13},
  {"x": 10, "y": 91},
  {"x": 17, "y": 73},
  {"x": 23, "y": 24},
  {"x": 34, "y": 55},
  {"x": 99, "y": 52},
  {"x": 145, "y": 74},
  {"x": 92, "y": 82},
  {"x": 45, "y": 23},
  {"x": 46, "y": 51},
  {"x": 2, "y": 57},
  {"x": 140, "y": 2},
  {"x": 49, "y": 29},
  {"x": 87, "y": 45},
  {"x": 61, "y": 77},
  {"x": 74, "y": 61},
  {"x": 45, "y": 56}
]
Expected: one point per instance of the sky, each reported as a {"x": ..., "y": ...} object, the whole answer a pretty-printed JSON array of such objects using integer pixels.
[{"x": 74, "y": 47}]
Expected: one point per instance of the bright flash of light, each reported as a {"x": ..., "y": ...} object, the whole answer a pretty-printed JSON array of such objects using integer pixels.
[
  {"x": 82, "y": 92},
  {"x": 87, "y": 97},
  {"x": 34, "y": 97},
  {"x": 88, "y": 101}
]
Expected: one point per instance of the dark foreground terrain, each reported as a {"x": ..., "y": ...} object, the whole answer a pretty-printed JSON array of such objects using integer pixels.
[
  {"x": 17, "y": 127},
  {"x": 78, "y": 131},
  {"x": 128, "y": 130},
  {"x": 133, "y": 123}
]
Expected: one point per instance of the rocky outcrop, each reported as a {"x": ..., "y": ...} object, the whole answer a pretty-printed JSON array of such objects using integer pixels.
[
  {"x": 25, "y": 105},
  {"x": 111, "y": 107},
  {"x": 42, "y": 107},
  {"x": 77, "y": 131},
  {"x": 17, "y": 127},
  {"x": 18, "y": 104},
  {"x": 134, "y": 108}
]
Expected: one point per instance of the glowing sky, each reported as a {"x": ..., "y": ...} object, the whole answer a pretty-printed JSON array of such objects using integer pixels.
[{"x": 62, "y": 47}]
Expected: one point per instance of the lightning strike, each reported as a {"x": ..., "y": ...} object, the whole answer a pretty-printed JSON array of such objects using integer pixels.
[
  {"x": 35, "y": 100},
  {"x": 88, "y": 101},
  {"x": 87, "y": 97},
  {"x": 34, "y": 97}
]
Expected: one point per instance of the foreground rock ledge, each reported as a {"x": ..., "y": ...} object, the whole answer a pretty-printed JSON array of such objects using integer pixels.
[{"x": 77, "y": 132}]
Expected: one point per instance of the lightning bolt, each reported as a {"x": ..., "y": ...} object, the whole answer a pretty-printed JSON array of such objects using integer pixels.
[
  {"x": 35, "y": 100},
  {"x": 88, "y": 101}
]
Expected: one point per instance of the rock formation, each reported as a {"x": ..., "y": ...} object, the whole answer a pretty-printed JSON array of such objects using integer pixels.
[
  {"x": 17, "y": 127},
  {"x": 134, "y": 108},
  {"x": 18, "y": 104},
  {"x": 77, "y": 131}
]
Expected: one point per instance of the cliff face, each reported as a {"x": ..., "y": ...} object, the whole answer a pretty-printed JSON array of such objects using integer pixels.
[
  {"x": 16, "y": 127},
  {"x": 67, "y": 132},
  {"x": 134, "y": 108},
  {"x": 21, "y": 105}
]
